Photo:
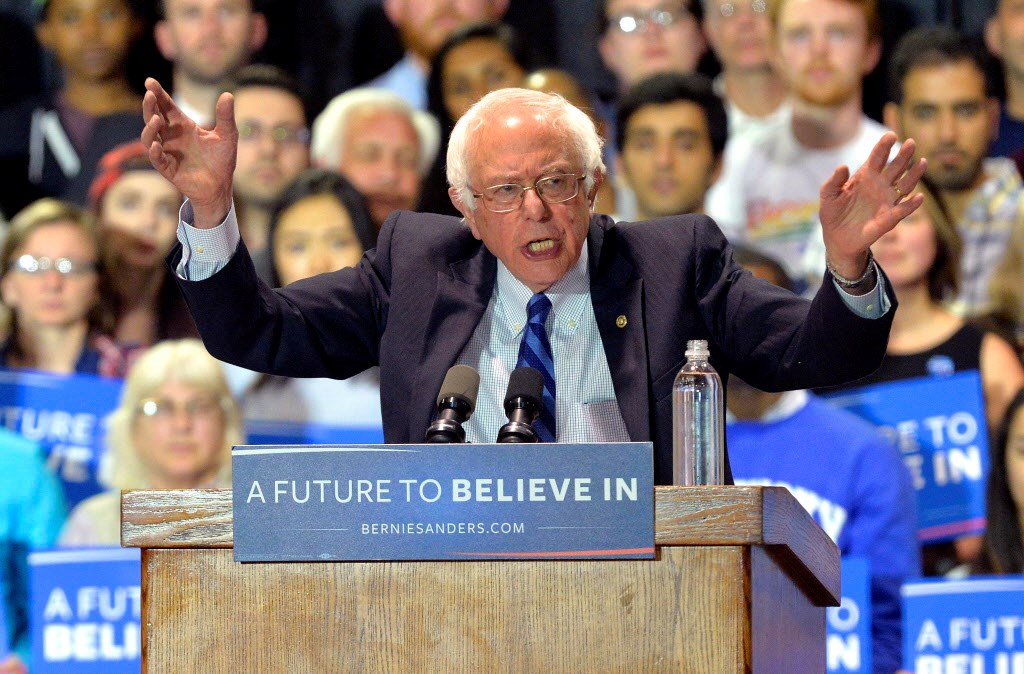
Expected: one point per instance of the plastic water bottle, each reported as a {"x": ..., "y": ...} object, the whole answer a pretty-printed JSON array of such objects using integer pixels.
[{"x": 698, "y": 429}]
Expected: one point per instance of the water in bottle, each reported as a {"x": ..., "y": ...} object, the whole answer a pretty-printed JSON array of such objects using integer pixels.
[{"x": 698, "y": 428}]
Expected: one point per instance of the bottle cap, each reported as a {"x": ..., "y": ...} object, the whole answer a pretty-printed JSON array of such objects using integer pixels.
[{"x": 697, "y": 348}]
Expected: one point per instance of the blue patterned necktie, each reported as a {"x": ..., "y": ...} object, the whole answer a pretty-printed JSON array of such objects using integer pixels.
[{"x": 535, "y": 352}]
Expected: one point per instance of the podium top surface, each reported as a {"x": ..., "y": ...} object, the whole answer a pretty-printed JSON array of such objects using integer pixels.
[{"x": 684, "y": 516}]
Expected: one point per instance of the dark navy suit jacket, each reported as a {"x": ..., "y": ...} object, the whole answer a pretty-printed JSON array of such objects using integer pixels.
[{"x": 411, "y": 305}]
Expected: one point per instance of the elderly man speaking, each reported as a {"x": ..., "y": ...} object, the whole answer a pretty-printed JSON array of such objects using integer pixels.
[{"x": 613, "y": 304}]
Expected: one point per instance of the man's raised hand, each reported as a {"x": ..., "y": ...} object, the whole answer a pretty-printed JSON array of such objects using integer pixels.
[
  {"x": 857, "y": 210},
  {"x": 199, "y": 162}
]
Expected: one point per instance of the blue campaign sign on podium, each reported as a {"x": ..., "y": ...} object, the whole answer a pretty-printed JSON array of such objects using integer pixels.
[
  {"x": 440, "y": 501},
  {"x": 973, "y": 626},
  {"x": 66, "y": 415},
  {"x": 938, "y": 424},
  {"x": 86, "y": 608}
]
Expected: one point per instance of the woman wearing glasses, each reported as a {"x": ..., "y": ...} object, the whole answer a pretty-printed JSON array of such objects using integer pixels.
[
  {"x": 174, "y": 429},
  {"x": 137, "y": 212},
  {"x": 50, "y": 279}
]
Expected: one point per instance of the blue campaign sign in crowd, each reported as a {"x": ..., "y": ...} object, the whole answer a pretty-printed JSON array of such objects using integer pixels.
[
  {"x": 848, "y": 626},
  {"x": 938, "y": 424},
  {"x": 974, "y": 626},
  {"x": 65, "y": 415},
  {"x": 86, "y": 610}
]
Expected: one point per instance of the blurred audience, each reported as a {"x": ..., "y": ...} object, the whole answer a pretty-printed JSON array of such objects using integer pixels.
[
  {"x": 31, "y": 515},
  {"x": 319, "y": 225},
  {"x": 943, "y": 100},
  {"x": 95, "y": 107},
  {"x": 137, "y": 212},
  {"x": 173, "y": 429},
  {"x": 1004, "y": 549},
  {"x": 1006, "y": 290},
  {"x": 672, "y": 131},
  {"x": 919, "y": 258},
  {"x": 1004, "y": 36},
  {"x": 382, "y": 145},
  {"x": 643, "y": 37},
  {"x": 423, "y": 25},
  {"x": 768, "y": 195},
  {"x": 273, "y": 145},
  {"x": 207, "y": 41},
  {"x": 473, "y": 61},
  {"x": 50, "y": 272},
  {"x": 741, "y": 36}
]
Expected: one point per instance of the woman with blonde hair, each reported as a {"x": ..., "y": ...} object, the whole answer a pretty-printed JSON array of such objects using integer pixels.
[
  {"x": 1006, "y": 290},
  {"x": 50, "y": 278},
  {"x": 174, "y": 429}
]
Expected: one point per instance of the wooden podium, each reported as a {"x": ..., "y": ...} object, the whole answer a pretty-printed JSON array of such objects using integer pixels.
[{"x": 739, "y": 584}]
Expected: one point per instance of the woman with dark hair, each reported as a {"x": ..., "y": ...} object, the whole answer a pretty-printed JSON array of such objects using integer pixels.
[
  {"x": 137, "y": 212},
  {"x": 473, "y": 61},
  {"x": 319, "y": 224},
  {"x": 1004, "y": 547}
]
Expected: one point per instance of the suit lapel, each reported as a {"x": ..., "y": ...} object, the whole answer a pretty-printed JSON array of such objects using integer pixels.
[
  {"x": 617, "y": 294},
  {"x": 459, "y": 303}
]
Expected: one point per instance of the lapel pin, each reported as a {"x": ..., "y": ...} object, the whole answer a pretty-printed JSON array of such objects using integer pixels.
[{"x": 621, "y": 321}]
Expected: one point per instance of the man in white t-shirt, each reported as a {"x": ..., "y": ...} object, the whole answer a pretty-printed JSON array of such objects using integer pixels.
[{"x": 769, "y": 197}]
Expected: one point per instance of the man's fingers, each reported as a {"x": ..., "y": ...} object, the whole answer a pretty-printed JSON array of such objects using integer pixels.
[
  {"x": 151, "y": 132},
  {"x": 880, "y": 152},
  {"x": 907, "y": 206},
  {"x": 900, "y": 162},
  {"x": 225, "y": 115},
  {"x": 834, "y": 185},
  {"x": 908, "y": 181},
  {"x": 160, "y": 95}
]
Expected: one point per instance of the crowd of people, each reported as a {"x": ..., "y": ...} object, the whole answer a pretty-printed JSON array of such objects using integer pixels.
[{"x": 740, "y": 110}]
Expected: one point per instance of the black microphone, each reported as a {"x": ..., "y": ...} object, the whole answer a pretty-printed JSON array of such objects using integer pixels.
[
  {"x": 522, "y": 405},
  {"x": 455, "y": 403}
]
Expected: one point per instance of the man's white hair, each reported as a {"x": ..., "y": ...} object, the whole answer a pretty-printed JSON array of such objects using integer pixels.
[
  {"x": 580, "y": 134},
  {"x": 329, "y": 126}
]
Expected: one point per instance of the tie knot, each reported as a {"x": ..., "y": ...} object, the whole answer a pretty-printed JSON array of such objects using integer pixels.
[{"x": 537, "y": 309}]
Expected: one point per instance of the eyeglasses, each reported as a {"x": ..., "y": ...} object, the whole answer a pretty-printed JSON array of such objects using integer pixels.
[
  {"x": 552, "y": 189},
  {"x": 728, "y": 9},
  {"x": 162, "y": 409},
  {"x": 65, "y": 266},
  {"x": 281, "y": 134},
  {"x": 639, "y": 21}
]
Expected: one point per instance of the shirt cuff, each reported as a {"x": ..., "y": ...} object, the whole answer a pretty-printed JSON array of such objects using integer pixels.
[
  {"x": 874, "y": 304},
  {"x": 205, "y": 251}
]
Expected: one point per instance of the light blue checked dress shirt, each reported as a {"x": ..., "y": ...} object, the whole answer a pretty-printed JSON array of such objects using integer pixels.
[{"x": 586, "y": 407}]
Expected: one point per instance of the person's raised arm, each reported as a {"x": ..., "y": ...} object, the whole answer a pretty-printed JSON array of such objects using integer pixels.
[
  {"x": 199, "y": 162},
  {"x": 857, "y": 210}
]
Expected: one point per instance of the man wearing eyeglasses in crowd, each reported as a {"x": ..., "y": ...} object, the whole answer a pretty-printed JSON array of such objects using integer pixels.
[
  {"x": 273, "y": 145},
  {"x": 740, "y": 34},
  {"x": 615, "y": 303},
  {"x": 643, "y": 37}
]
